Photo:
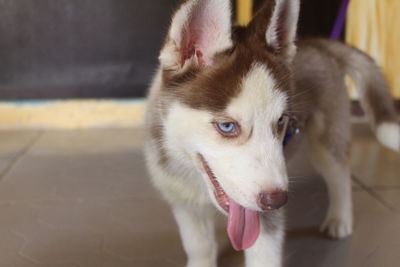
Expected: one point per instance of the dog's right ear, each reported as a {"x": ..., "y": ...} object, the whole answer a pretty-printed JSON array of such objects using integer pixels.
[
  {"x": 200, "y": 29},
  {"x": 275, "y": 24}
]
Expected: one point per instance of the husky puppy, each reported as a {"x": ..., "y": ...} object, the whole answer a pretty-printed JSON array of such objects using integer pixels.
[{"x": 222, "y": 105}]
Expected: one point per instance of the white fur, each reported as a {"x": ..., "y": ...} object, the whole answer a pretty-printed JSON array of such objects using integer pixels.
[
  {"x": 339, "y": 219},
  {"x": 291, "y": 7},
  {"x": 259, "y": 107},
  {"x": 244, "y": 167},
  {"x": 388, "y": 135},
  {"x": 258, "y": 162},
  {"x": 182, "y": 181},
  {"x": 197, "y": 231},
  {"x": 264, "y": 252}
]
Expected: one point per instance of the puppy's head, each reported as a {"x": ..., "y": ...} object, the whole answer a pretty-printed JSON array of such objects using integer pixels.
[{"x": 228, "y": 91}]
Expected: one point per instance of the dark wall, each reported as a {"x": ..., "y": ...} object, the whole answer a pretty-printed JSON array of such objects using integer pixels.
[
  {"x": 96, "y": 48},
  {"x": 79, "y": 48},
  {"x": 317, "y": 17}
]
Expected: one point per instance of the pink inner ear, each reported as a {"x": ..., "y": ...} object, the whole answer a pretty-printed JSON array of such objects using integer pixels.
[
  {"x": 201, "y": 59},
  {"x": 188, "y": 46},
  {"x": 193, "y": 44},
  {"x": 201, "y": 34}
]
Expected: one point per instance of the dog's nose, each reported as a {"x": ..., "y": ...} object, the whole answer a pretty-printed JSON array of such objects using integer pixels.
[{"x": 272, "y": 200}]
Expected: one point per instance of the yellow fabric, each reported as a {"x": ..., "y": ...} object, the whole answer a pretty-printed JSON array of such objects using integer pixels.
[
  {"x": 374, "y": 27},
  {"x": 244, "y": 11}
]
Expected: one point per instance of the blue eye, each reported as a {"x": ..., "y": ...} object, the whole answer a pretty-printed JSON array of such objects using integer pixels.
[{"x": 227, "y": 127}]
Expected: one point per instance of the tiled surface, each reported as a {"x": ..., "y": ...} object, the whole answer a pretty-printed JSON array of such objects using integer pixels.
[
  {"x": 83, "y": 199},
  {"x": 374, "y": 165},
  {"x": 12, "y": 144},
  {"x": 391, "y": 196}
]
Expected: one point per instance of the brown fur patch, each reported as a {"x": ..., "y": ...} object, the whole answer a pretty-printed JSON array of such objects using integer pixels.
[{"x": 214, "y": 87}]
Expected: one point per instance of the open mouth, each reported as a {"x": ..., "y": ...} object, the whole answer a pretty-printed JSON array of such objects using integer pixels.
[
  {"x": 243, "y": 224},
  {"x": 219, "y": 193}
]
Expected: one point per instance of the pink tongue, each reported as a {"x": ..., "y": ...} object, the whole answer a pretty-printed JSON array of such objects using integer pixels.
[{"x": 243, "y": 226}]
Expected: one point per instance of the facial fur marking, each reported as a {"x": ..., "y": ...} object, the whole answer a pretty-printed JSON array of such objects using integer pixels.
[{"x": 261, "y": 101}]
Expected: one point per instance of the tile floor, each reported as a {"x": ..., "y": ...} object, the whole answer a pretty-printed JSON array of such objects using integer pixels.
[{"x": 82, "y": 199}]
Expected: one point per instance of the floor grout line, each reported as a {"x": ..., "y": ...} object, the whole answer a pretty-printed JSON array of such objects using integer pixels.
[
  {"x": 386, "y": 187},
  {"x": 20, "y": 155},
  {"x": 372, "y": 193}
]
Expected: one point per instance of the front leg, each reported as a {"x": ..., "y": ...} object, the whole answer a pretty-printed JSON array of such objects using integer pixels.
[
  {"x": 196, "y": 227},
  {"x": 267, "y": 251},
  {"x": 336, "y": 173}
]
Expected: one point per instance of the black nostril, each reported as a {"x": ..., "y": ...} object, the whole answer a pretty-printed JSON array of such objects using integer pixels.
[{"x": 272, "y": 200}]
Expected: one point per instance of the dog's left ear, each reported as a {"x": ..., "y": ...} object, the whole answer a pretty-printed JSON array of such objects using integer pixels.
[
  {"x": 276, "y": 24},
  {"x": 199, "y": 30}
]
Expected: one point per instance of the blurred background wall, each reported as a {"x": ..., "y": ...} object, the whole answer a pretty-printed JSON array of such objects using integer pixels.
[
  {"x": 72, "y": 64},
  {"x": 57, "y": 49},
  {"x": 79, "y": 48}
]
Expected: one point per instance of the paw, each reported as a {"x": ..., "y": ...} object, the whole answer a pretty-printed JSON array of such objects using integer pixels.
[{"x": 337, "y": 227}]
